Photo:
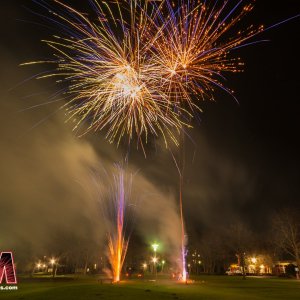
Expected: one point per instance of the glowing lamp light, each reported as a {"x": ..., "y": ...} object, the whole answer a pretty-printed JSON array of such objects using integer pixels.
[
  {"x": 155, "y": 247},
  {"x": 52, "y": 261},
  {"x": 254, "y": 260},
  {"x": 154, "y": 259}
]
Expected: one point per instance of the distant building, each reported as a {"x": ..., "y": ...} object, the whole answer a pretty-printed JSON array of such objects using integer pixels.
[{"x": 284, "y": 267}]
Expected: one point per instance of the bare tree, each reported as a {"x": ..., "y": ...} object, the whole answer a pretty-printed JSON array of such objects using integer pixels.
[
  {"x": 211, "y": 251},
  {"x": 286, "y": 228},
  {"x": 240, "y": 240}
]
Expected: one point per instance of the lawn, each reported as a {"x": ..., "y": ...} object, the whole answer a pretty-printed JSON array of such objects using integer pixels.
[{"x": 204, "y": 287}]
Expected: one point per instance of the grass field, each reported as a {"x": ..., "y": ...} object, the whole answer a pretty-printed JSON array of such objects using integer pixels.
[{"x": 204, "y": 287}]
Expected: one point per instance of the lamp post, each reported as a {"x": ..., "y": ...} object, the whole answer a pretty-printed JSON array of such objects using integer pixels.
[
  {"x": 36, "y": 268},
  {"x": 198, "y": 266},
  {"x": 154, "y": 259},
  {"x": 155, "y": 247},
  {"x": 144, "y": 267},
  {"x": 53, "y": 264},
  {"x": 38, "y": 265},
  {"x": 162, "y": 266},
  {"x": 254, "y": 261}
]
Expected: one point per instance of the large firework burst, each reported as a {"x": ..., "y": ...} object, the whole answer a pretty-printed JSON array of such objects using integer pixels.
[
  {"x": 111, "y": 82},
  {"x": 193, "y": 46},
  {"x": 137, "y": 69}
]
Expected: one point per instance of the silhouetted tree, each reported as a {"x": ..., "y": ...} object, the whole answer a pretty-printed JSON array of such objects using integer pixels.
[
  {"x": 212, "y": 252},
  {"x": 286, "y": 228},
  {"x": 240, "y": 240}
]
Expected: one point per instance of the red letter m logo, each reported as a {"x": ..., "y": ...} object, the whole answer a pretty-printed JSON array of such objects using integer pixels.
[{"x": 7, "y": 268}]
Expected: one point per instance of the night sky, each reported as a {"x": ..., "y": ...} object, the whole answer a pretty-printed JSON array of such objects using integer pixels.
[{"x": 242, "y": 159}]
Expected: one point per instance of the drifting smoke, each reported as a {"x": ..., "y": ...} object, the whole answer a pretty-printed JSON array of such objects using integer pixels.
[
  {"x": 158, "y": 218},
  {"x": 49, "y": 205},
  {"x": 43, "y": 208}
]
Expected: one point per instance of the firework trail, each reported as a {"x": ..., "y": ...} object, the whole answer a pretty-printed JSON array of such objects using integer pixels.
[
  {"x": 180, "y": 165},
  {"x": 113, "y": 189},
  {"x": 116, "y": 214},
  {"x": 117, "y": 242},
  {"x": 183, "y": 239}
]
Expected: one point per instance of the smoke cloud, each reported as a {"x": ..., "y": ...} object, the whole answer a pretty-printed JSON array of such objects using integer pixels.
[{"x": 50, "y": 203}]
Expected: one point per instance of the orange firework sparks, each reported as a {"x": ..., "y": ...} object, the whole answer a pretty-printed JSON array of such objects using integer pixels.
[
  {"x": 117, "y": 242},
  {"x": 193, "y": 45},
  {"x": 111, "y": 83},
  {"x": 138, "y": 68}
]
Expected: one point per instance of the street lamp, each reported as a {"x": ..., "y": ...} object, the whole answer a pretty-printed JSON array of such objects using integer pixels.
[
  {"x": 155, "y": 247},
  {"x": 36, "y": 268},
  {"x": 162, "y": 263},
  {"x": 253, "y": 266},
  {"x": 254, "y": 260},
  {"x": 189, "y": 268},
  {"x": 54, "y": 267},
  {"x": 44, "y": 268},
  {"x": 154, "y": 260}
]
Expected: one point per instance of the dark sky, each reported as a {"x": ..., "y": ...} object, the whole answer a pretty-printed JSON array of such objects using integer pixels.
[{"x": 242, "y": 161}]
